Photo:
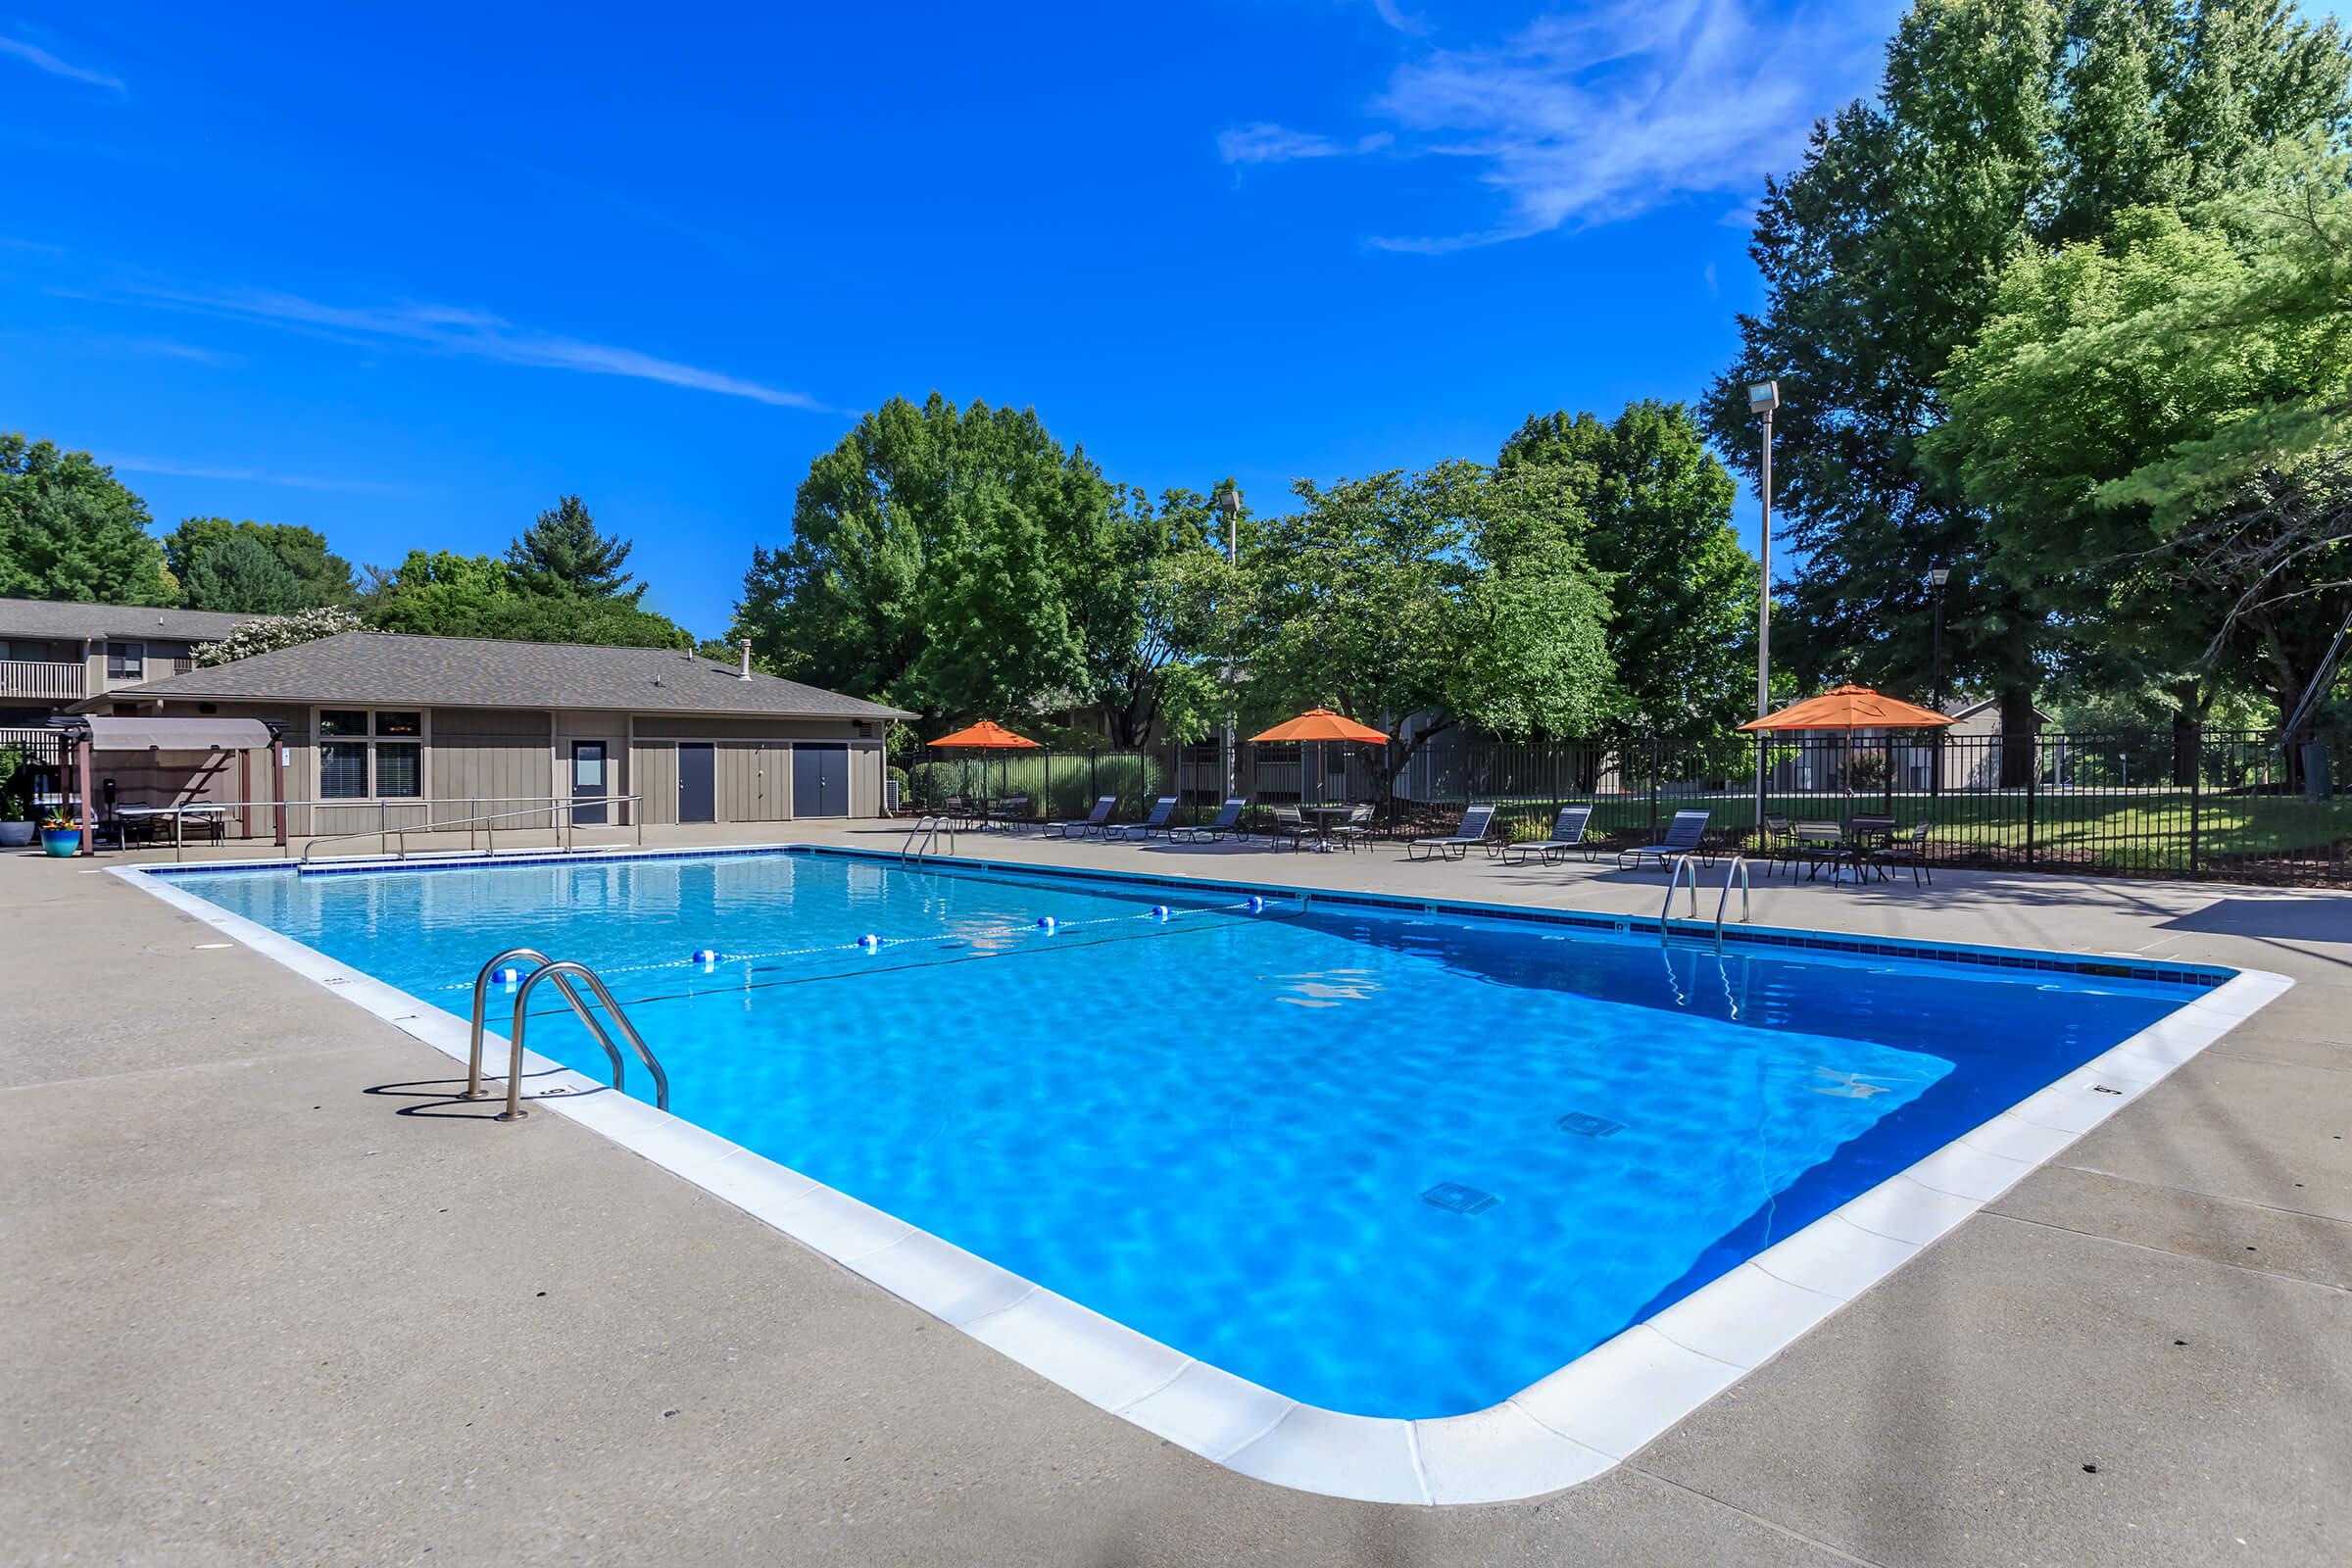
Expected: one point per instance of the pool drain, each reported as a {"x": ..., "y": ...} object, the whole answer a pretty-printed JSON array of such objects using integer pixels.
[
  {"x": 1588, "y": 1126},
  {"x": 1455, "y": 1199}
]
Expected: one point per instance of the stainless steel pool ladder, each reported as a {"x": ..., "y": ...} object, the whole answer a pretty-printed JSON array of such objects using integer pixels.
[
  {"x": 563, "y": 973},
  {"x": 926, "y": 832},
  {"x": 1684, "y": 863}
]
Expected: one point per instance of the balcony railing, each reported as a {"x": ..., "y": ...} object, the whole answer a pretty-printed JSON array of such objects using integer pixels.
[{"x": 25, "y": 678}]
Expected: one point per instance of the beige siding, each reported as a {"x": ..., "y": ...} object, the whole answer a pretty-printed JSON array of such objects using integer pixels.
[
  {"x": 753, "y": 781},
  {"x": 655, "y": 766}
]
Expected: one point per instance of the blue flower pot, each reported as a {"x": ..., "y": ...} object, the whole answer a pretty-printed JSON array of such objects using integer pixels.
[{"x": 60, "y": 841}]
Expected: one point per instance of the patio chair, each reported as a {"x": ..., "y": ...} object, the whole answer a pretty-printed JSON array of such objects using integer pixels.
[
  {"x": 1228, "y": 821},
  {"x": 1094, "y": 821},
  {"x": 1009, "y": 812},
  {"x": 1458, "y": 844},
  {"x": 1816, "y": 845},
  {"x": 1292, "y": 824},
  {"x": 1908, "y": 849},
  {"x": 1157, "y": 822},
  {"x": 1683, "y": 837},
  {"x": 1567, "y": 833},
  {"x": 1776, "y": 846},
  {"x": 1353, "y": 829},
  {"x": 1865, "y": 836}
]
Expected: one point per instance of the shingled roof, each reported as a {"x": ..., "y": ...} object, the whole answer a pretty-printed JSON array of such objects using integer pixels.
[
  {"x": 53, "y": 617},
  {"x": 372, "y": 668}
]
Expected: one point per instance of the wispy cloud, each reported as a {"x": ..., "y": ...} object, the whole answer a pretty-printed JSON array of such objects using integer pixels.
[
  {"x": 467, "y": 332},
  {"x": 173, "y": 349},
  {"x": 1394, "y": 14},
  {"x": 1263, "y": 143},
  {"x": 41, "y": 59},
  {"x": 1601, "y": 114},
  {"x": 197, "y": 470}
]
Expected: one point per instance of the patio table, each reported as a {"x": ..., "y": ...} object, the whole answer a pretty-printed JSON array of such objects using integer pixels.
[{"x": 1325, "y": 819}]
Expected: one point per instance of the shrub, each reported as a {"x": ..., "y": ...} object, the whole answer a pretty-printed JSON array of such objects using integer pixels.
[{"x": 1058, "y": 787}]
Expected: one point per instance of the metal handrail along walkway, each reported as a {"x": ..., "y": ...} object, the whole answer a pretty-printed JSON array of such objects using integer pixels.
[{"x": 570, "y": 808}]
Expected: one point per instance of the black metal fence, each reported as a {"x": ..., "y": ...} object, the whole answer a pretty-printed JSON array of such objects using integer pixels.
[{"x": 2170, "y": 802}]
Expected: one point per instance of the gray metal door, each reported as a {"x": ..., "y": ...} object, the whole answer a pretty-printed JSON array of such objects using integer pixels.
[
  {"x": 820, "y": 780},
  {"x": 588, "y": 783},
  {"x": 697, "y": 782}
]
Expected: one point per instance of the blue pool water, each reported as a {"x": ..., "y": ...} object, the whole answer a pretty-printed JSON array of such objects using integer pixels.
[{"x": 1388, "y": 1162}]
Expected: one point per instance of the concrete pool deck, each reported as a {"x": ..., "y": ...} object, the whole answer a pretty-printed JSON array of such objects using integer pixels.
[{"x": 256, "y": 1314}]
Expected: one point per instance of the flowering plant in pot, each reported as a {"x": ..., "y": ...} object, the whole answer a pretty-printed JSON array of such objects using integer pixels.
[{"x": 60, "y": 835}]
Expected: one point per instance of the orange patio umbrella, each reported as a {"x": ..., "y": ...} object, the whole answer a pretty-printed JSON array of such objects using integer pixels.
[
  {"x": 1322, "y": 725},
  {"x": 1851, "y": 708},
  {"x": 1847, "y": 709},
  {"x": 987, "y": 735},
  {"x": 1319, "y": 726}
]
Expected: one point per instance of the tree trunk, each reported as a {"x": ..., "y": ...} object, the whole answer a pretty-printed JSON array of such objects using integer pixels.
[
  {"x": 2186, "y": 710},
  {"x": 2021, "y": 739}
]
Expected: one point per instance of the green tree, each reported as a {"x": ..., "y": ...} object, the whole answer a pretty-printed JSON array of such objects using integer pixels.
[
  {"x": 69, "y": 529},
  {"x": 2000, "y": 126},
  {"x": 326, "y": 578},
  {"x": 2142, "y": 423},
  {"x": 442, "y": 594},
  {"x": 240, "y": 574},
  {"x": 552, "y": 619},
  {"x": 434, "y": 589},
  {"x": 934, "y": 564},
  {"x": 562, "y": 553},
  {"x": 1682, "y": 590},
  {"x": 1418, "y": 602}
]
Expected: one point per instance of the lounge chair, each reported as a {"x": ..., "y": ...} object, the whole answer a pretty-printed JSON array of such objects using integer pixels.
[
  {"x": 1455, "y": 845},
  {"x": 1157, "y": 822},
  {"x": 1683, "y": 837},
  {"x": 1228, "y": 821},
  {"x": 1094, "y": 821},
  {"x": 1567, "y": 833}
]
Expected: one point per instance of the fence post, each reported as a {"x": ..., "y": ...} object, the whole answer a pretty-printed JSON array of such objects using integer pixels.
[
  {"x": 2196, "y": 800},
  {"x": 1094, "y": 775},
  {"x": 2033, "y": 784},
  {"x": 1654, "y": 786}
]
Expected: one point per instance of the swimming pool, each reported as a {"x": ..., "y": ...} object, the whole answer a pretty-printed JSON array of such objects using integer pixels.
[{"x": 1389, "y": 1160}]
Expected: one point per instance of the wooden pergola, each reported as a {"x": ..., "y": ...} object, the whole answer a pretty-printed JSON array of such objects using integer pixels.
[{"x": 86, "y": 735}]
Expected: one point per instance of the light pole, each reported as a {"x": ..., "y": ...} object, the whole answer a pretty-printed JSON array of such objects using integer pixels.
[
  {"x": 1230, "y": 503},
  {"x": 1762, "y": 398},
  {"x": 1938, "y": 577}
]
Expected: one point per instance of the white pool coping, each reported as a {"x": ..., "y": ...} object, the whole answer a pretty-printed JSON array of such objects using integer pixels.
[{"x": 1568, "y": 1428}]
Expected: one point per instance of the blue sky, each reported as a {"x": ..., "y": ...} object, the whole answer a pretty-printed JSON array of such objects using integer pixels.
[{"x": 406, "y": 276}]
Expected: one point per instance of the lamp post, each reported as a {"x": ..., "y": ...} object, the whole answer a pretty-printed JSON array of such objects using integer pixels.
[
  {"x": 1762, "y": 398},
  {"x": 1230, "y": 504},
  {"x": 1938, "y": 577}
]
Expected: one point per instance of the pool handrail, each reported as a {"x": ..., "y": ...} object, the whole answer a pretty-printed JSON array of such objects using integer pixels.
[
  {"x": 561, "y": 972},
  {"x": 1682, "y": 863}
]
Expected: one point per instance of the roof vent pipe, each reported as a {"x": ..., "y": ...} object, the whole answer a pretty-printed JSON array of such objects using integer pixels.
[{"x": 747, "y": 661}]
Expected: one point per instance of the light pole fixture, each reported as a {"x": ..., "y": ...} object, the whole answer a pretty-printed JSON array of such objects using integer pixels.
[
  {"x": 1762, "y": 398},
  {"x": 1230, "y": 504}
]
